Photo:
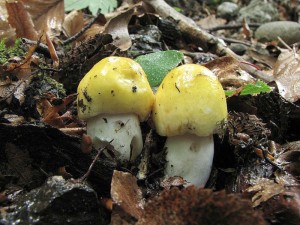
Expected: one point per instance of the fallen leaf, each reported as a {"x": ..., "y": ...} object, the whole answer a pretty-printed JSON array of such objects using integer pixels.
[
  {"x": 47, "y": 16},
  {"x": 126, "y": 194},
  {"x": 265, "y": 189},
  {"x": 50, "y": 113},
  {"x": 211, "y": 21},
  {"x": 73, "y": 23},
  {"x": 228, "y": 70},
  {"x": 287, "y": 75},
  {"x": 117, "y": 27},
  {"x": 20, "y": 19},
  {"x": 7, "y": 32}
]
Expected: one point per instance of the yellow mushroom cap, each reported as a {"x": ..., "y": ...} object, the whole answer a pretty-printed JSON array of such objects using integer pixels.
[
  {"x": 115, "y": 85},
  {"x": 190, "y": 100}
]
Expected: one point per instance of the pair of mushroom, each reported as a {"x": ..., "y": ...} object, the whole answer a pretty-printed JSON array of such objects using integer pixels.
[{"x": 188, "y": 107}]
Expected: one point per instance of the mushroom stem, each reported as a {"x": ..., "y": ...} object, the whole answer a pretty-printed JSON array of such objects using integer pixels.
[
  {"x": 123, "y": 129},
  {"x": 190, "y": 157}
]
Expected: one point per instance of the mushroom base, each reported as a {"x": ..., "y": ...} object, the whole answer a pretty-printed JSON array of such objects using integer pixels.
[
  {"x": 122, "y": 130},
  {"x": 190, "y": 157}
]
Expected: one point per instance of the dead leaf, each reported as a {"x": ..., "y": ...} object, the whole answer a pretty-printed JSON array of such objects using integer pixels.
[
  {"x": 7, "y": 32},
  {"x": 19, "y": 18},
  {"x": 287, "y": 75},
  {"x": 246, "y": 30},
  {"x": 265, "y": 189},
  {"x": 228, "y": 70},
  {"x": 50, "y": 113},
  {"x": 73, "y": 23},
  {"x": 126, "y": 194},
  {"x": 211, "y": 21},
  {"x": 47, "y": 16},
  {"x": 118, "y": 28}
]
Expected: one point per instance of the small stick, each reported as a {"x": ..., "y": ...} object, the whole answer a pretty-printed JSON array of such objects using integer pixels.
[
  {"x": 84, "y": 29},
  {"x": 83, "y": 178}
]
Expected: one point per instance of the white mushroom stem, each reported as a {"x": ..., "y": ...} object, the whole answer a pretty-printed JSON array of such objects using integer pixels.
[
  {"x": 123, "y": 129},
  {"x": 190, "y": 157}
]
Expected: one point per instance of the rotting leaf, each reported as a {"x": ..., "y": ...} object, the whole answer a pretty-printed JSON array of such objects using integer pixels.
[
  {"x": 50, "y": 113},
  {"x": 167, "y": 61},
  {"x": 126, "y": 194},
  {"x": 228, "y": 70},
  {"x": 47, "y": 16},
  {"x": 265, "y": 189},
  {"x": 19, "y": 18},
  {"x": 287, "y": 75},
  {"x": 117, "y": 27}
]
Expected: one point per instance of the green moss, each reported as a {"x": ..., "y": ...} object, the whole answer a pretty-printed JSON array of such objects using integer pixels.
[
  {"x": 49, "y": 83},
  {"x": 9, "y": 52}
]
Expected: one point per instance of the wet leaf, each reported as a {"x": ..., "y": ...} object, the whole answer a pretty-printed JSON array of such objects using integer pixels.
[
  {"x": 265, "y": 189},
  {"x": 105, "y": 6},
  {"x": 126, "y": 194},
  {"x": 167, "y": 60},
  {"x": 287, "y": 75}
]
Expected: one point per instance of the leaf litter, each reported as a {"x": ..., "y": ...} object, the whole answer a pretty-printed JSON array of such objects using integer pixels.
[{"x": 38, "y": 118}]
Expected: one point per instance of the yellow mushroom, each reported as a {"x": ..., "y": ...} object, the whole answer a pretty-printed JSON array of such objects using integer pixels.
[
  {"x": 113, "y": 97},
  {"x": 190, "y": 106}
]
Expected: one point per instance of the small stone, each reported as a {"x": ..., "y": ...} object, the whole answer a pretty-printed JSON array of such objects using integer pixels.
[
  {"x": 259, "y": 12},
  {"x": 227, "y": 10},
  {"x": 57, "y": 202},
  {"x": 239, "y": 49},
  {"x": 288, "y": 31}
]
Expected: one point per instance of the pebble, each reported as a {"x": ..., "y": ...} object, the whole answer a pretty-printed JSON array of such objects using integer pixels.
[
  {"x": 288, "y": 31},
  {"x": 227, "y": 10},
  {"x": 259, "y": 12}
]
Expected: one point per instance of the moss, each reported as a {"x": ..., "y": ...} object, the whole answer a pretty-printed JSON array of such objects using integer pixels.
[{"x": 9, "y": 52}]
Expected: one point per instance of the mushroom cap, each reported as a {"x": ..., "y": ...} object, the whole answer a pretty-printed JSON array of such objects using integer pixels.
[
  {"x": 115, "y": 85},
  {"x": 190, "y": 100}
]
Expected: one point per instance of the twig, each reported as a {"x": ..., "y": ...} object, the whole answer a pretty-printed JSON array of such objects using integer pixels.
[
  {"x": 201, "y": 37},
  {"x": 42, "y": 48},
  {"x": 232, "y": 26},
  {"x": 83, "y": 178},
  {"x": 84, "y": 29},
  {"x": 230, "y": 40}
]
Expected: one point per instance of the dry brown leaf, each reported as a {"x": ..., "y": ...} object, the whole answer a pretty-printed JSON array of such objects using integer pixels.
[
  {"x": 287, "y": 75},
  {"x": 126, "y": 194},
  {"x": 50, "y": 113},
  {"x": 19, "y": 18},
  {"x": 246, "y": 30},
  {"x": 265, "y": 189},
  {"x": 47, "y": 15},
  {"x": 118, "y": 28},
  {"x": 210, "y": 22},
  {"x": 73, "y": 23},
  {"x": 228, "y": 70},
  {"x": 6, "y": 31}
]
